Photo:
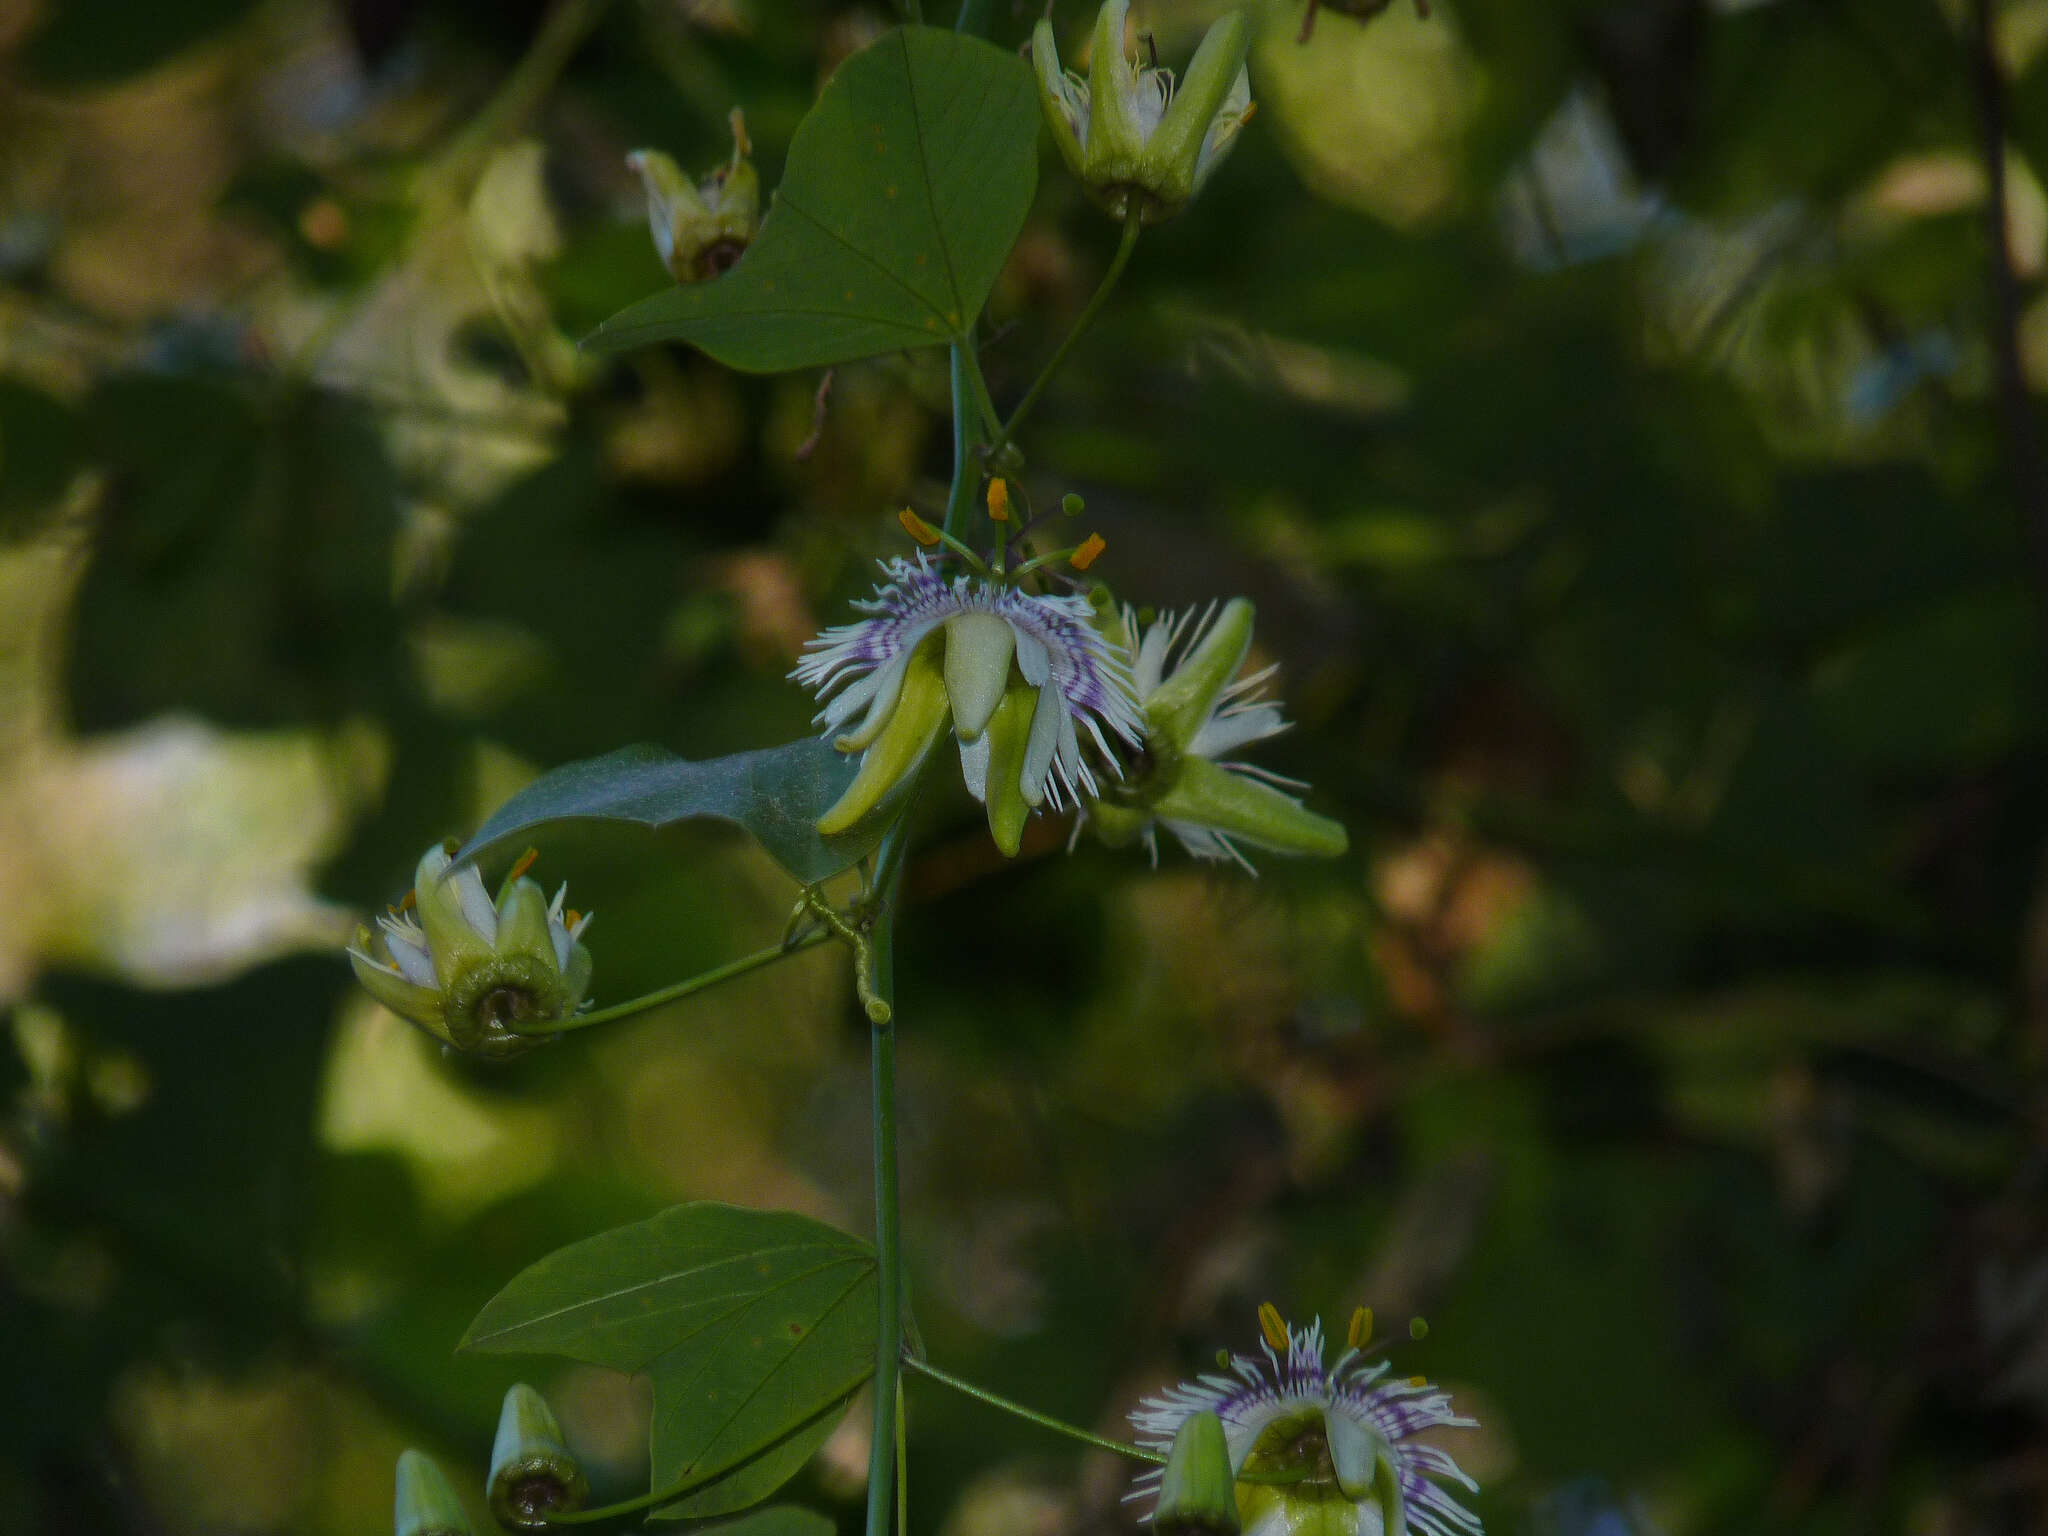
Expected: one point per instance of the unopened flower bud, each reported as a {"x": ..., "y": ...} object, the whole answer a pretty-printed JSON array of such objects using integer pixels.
[
  {"x": 533, "y": 1476},
  {"x": 426, "y": 1505},
  {"x": 470, "y": 971},
  {"x": 1197, "y": 1491},
  {"x": 1138, "y": 143},
  {"x": 701, "y": 228}
]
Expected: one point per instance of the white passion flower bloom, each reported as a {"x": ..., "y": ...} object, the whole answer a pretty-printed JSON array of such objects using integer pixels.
[
  {"x": 467, "y": 969},
  {"x": 1028, "y": 682},
  {"x": 1138, "y": 144},
  {"x": 1202, "y": 708},
  {"x": 1344, "y": 1433}
]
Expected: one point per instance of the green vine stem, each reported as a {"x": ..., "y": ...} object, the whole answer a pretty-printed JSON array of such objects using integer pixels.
[
  {"x": 1032, "y": 1415},
  {"x": 561, "y": 33},
  {"x": 1074, "y": 1431},
  {"x": 882, "y": 1452},
  {"x": 699, "y": 983},
  {"x": 1124, "y": 246}
]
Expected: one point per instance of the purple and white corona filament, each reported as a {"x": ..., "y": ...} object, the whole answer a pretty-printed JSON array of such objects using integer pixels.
[
  {"x": 1343, "y": 1433},
  {"x": 1028, "y": 682}
]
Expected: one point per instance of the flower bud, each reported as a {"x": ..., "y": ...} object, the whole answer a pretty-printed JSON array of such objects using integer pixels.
[
  {"x": 533, "y": 1476},
  {"x": 1137, "y": 143},
  {"x": 701, "y": 228},
  {"x": 469, "y": 971},
  {"x": 1197, "y": 1491},
  {"x": 426, "y": 1505}
]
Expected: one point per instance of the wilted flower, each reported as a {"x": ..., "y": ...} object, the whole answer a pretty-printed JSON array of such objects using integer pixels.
[
  {"x": 701, "y": 228},
  {"x": 467, "y": 969},
  {"x": 1127, "y": 132},
  {"x": 1199, "y": 709},
  {"x": 1020, "y": 676},
  {"x": 1345, "y": 1434}
]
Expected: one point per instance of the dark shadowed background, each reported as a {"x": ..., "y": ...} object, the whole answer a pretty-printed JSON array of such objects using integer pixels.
[{"x": 1625, "y": 420}]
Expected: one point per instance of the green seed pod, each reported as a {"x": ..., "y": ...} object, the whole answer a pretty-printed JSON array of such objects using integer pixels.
[
  {"x": 1197, "y": 1492},
  {"x": 426, "y": 1505},
  {"x": 533, "y": 1476}
]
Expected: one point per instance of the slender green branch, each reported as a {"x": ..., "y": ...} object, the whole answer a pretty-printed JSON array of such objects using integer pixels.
[
  {"x": 698, "y": 983},
  {"x": 1032, "y": 1415},
  {"x": 902, "y": 1466},
  {"x": 960, "y": 499},
  {"x": 977, "y": 381},
  {"x": 1075, "y": 1431},
  {"x": 560, "y": 35},
  {"x": 1117, "y": 263},
  {"x": 660, "y": 1496},
  {"x": 882, "y": 1455}
]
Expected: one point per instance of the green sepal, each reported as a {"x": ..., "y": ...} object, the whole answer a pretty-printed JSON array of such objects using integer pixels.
[
  {"x": 453, "y": 936},
  {"x": 1178, "y": 708},
  {"x": 1009, "y": 730},
  {"x": 1354, "y": 1453},
  {"x": 523, "y": 923},
  {"x": 407, "y": 999},
  {"x": 1052, "y": 94},
  {"x": 1387, "y": 1485},
  {"x": 979, "y": 648},
  {"x": 1116, "y": 139},
  {"x": 1242, "y": 807},
  {"x": 533, "y": 1476},
  {"x": 1213, "y": 75},
  {"x": 914, "y": 726},
  {"x": 1198, "y": 1490},
  {"x": 425, "y": 1504}
]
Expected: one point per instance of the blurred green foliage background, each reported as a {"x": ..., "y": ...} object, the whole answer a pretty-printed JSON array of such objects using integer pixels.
[{"x": 1625, "y": 415}]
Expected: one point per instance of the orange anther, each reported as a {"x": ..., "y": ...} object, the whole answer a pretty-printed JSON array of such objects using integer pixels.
[
  {"x": 1271, "y": 1326},
  {"x": 918, "y": 528},
  {"x": 526, "y": 862},
  {"x": 1085, "y": 556},
  {"x": 999, "y": 499}
]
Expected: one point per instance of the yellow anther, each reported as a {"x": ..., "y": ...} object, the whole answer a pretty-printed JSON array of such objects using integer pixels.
[
  {"x": 999, "y": 499},
  {"x": 526, "y": 861},
  {"x": 918, "y": 528},
  {"x": 1418, "y": 1381},
  {"x": 1361, "y": 1328},
  {"x": 1085, "y": 556},
  {"x": 1271, "y": 1326},
  {"x": 408, "y": 901},
  {"x": 573, "y": 916}
]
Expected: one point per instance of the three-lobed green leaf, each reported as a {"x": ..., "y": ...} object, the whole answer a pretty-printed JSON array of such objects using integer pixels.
[
  {"x": 904, "y": 190},
  {"x": 776, "y": 793},
  {"x": 754, "y": 1328}
]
